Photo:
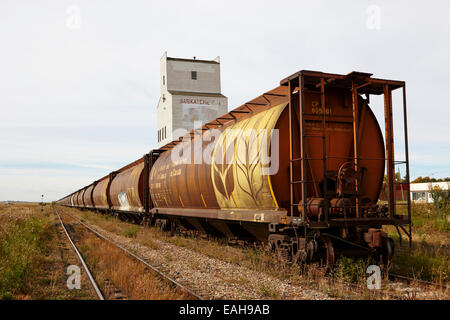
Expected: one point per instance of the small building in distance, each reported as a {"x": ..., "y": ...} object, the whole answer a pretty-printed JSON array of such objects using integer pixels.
[
  {"x": 421, "y": 192},
  {"x": 400, "y": 192},
  {"x": 190, "y": 96}
]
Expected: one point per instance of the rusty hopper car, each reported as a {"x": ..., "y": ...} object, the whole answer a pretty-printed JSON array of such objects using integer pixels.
[{"x": 315, "y": 194}]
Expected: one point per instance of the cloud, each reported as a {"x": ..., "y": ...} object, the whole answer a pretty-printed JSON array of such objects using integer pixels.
[{"x": 86, "y": 98}]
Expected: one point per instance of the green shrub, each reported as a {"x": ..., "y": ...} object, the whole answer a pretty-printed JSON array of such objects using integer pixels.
[
  {"x": 131, "y": 232},
  {"x": 421, "y": 264},
  {"x": 442, "y": 225},
  {"x": 351, "y": 269},
  {"x": 21, "y": 246}
]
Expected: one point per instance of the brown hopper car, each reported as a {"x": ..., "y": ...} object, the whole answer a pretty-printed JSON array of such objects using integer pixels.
[{"x": 316, "y": 193}]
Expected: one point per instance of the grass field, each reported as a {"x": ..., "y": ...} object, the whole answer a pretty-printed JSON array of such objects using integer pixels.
[
  {"x": 24, "y": 239},
  {"x": 34, "y": 259},
  {"x": 135, "y": 281},
  {"x": 31, "y": 263},
  {"x": 30, "y": 266},
  {"x": 436, "y": 261},
  {"x": 429, "y": 257}
]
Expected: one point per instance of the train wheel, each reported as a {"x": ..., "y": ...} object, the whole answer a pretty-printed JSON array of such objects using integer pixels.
[{"x": 327, "y": 256}]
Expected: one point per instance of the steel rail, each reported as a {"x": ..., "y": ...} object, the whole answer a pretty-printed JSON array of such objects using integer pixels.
[
  {"x": 91, "y": 278},
  {"x": 360, "y": 286},
  {"x": 173, "y": 281},
  {"x": 391, "y": 276},
  {"x": 398, "y": 277}
]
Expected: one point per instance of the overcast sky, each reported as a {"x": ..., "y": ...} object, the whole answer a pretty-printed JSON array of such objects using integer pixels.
[{"x": 79, "y": 80}]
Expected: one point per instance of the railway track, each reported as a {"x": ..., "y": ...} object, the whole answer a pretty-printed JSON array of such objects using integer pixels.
[
  {"x": 415, "y": 286},
  {"x": 80, "y": 257},
  {"x": 413, "y": 289},
  {"x": 409, "y": 280},
  {"x": 172, "y": 281}
]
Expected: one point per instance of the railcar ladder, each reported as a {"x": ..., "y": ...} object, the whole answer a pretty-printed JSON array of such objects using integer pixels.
[{"x": 303, "y": 158}]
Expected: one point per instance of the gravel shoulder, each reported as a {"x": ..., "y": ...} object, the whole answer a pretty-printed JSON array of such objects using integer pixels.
[
  {"x": 217, "y": 271},
  {"x": 212, "y": 278}
]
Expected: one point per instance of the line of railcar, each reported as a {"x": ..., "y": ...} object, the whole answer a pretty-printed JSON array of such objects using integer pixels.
[{"x": 314, "y": 197}]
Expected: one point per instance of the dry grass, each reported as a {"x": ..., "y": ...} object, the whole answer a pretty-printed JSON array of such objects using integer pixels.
[
  {"x": 310, "y": 276},
  {"x": 31, "y": 263},
  {"x": 25, "y": 234},
  {"x": 251, "y": 258},
  {"x": 429, "y": 257},
  {"x": 254, "y": 259},
  {"x": 108, "y": 263}
]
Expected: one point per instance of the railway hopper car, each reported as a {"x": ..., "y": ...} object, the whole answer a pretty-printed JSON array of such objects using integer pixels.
[
  {"x": 87, "y": 196},
  {"x": 100, "y": 193},
  {"x": 300, "y": 168}
]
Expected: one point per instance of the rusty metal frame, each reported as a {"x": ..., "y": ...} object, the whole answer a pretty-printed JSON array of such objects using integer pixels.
[
  {"x": 356, "y": 158},
  {"x": 408, "y": 197},
  {"x": 291, "y": 151},
  {"x": 149, "y": 160},
  {"x": 146, "y": 172},
  {"x": 324, "y": 144},
  {"x": 389, "y": 135},
  {"x": 358, "y": 83},
  {"x": 112, "y": 175},
  {"x": 257, "y": 216}
]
